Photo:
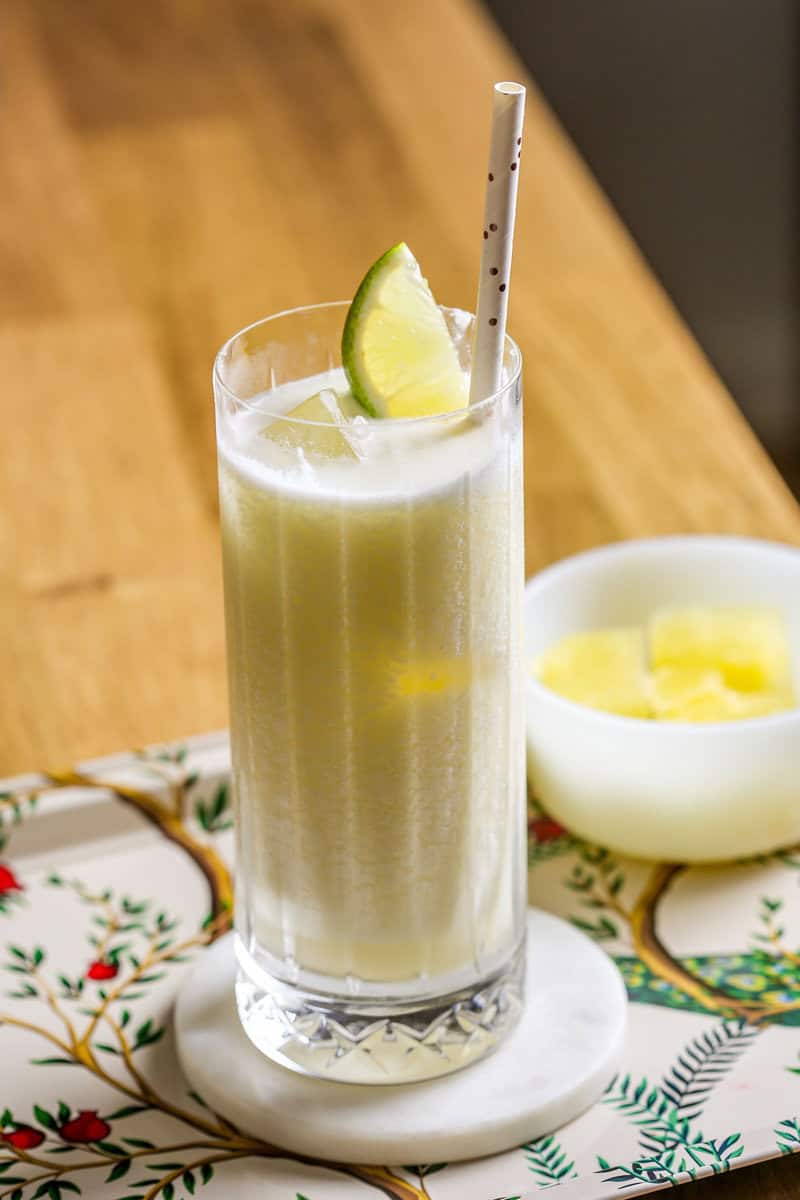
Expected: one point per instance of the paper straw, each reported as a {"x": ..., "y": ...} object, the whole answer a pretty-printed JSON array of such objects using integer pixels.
[{"x": 508, "y": 109}]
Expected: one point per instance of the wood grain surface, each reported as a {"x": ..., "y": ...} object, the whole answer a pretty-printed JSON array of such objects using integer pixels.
[{"x": 173, "y": 169}]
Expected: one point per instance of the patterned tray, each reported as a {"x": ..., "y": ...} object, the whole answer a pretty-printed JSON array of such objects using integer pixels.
[{"x": 114, "y": 876}]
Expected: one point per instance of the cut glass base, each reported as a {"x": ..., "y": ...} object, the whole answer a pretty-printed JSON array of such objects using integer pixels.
[{"x": 373, "y": 1042}]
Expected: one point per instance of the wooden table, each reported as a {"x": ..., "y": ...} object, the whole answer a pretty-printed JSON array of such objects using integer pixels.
[{"x": 172, "y": 170}]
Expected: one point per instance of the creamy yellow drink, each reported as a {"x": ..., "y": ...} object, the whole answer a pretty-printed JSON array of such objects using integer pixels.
[{"x": 373, "y": 600}]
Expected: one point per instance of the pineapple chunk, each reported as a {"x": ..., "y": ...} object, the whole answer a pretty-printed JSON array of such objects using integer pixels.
[
  {"x": 673, "y": 689},
  {"x": 700, "y": 694},
  {"x": 416, "y": 678},
  {"x": 327, "y": 437},
  {"x": 747, "y": 646},
  {"x": 602, "y": 669},
  {"x": 706, "y": 664}
]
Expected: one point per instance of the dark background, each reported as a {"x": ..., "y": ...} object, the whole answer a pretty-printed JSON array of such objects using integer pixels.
[{"x": 687, "y": 111}]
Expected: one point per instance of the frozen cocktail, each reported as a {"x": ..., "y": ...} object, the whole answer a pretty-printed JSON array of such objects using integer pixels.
[{"x": 373, "y": 561}]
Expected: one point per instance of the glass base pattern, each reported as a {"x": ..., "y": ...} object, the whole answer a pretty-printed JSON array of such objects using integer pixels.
[{"x": 341, "y": 1039}]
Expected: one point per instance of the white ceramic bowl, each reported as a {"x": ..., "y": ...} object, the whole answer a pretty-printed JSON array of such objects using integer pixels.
[{"x": 674, "y": 791}]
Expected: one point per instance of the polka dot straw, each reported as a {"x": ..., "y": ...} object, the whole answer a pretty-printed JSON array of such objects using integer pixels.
[{"x": 508, "y": 109}]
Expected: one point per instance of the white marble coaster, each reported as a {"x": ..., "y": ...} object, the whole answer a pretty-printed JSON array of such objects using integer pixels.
[{"x": 555, "y": 1063}]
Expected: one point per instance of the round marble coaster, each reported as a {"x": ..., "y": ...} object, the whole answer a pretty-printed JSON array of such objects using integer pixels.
[{"x": 554, "y": 1064}]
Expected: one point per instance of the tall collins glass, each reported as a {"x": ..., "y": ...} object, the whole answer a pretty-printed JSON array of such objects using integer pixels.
[{"x": 373, "y": 598}]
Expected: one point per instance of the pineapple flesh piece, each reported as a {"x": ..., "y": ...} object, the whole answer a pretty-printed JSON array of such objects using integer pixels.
[
  {"x": 719, "y": 663},
  {"x": 693, "y": 664},
  {"x": 700, "y": 694},
  {"x": 602, "y": 669},
  {"x": 748, "y": 646}
]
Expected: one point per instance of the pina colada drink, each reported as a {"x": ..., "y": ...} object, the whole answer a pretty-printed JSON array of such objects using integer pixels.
[
  {"x": 373, "y": 616},
  {"x": 373, "y": 589}
]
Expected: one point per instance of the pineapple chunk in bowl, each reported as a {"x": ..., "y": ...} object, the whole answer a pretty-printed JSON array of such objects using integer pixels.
[{"x": 694, "y": 785}]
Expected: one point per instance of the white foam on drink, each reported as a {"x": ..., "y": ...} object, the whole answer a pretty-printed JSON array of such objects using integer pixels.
[{"x": 394, "y": 458}]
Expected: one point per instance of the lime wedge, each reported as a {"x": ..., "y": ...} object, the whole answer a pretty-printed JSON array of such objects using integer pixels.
[{"x": 397, "y": 351}]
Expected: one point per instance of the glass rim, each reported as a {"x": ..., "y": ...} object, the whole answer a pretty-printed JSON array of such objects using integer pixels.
[{"x": 382, "y": 422}]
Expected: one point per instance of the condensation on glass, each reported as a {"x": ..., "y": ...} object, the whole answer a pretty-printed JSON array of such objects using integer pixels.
[{"x": 373, "y": 596}]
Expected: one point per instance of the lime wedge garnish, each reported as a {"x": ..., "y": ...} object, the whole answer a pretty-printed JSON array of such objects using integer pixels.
[{"x": 397, "y": 352}]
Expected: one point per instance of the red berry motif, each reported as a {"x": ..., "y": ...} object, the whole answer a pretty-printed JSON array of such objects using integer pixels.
[
  {"x": 86, "y": 1127},
  {"x": 8, "y": 881},
  {"x": 23, "y": 1137},
  {"x": 544, "y": 829},
  {"x": 100, "y": 969}
]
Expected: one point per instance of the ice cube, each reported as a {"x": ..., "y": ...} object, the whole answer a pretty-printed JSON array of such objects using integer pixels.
[{"x": 318, "y": 426}]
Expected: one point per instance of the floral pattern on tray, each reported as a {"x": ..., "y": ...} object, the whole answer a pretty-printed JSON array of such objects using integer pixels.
[{"x": 114, "y": 876}]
